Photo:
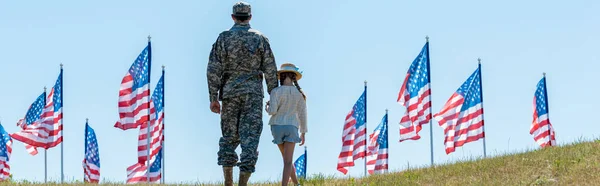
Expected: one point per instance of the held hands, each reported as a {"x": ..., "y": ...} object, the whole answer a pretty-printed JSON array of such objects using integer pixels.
[
  {"x": 267, "y": 106},
  {"x": 215, "y": 107},
  {"x": 302, "y": 138}
]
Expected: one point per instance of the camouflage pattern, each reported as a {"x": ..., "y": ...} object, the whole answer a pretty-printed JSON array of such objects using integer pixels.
[
  {"x": 237, "y": 62},
  {"x": 242, "y": 9},
  {"x": 241, "y": 122}
]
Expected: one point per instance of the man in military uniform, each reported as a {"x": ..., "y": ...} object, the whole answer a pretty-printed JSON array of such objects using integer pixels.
[{"x": 238, "y": 61}]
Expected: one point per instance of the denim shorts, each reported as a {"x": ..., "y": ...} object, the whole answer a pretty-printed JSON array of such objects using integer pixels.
[{"x": 285, "y": 133}]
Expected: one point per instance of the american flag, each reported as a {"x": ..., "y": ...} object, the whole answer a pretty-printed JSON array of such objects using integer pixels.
[
  {"x": 462, "y": 116},
  {"x": 5, "y": 152},
  {"x": 43, "y": 127},
  {"x": 377, "y": 157},
  {"x": 91, "y": 161},
  {"x": 156, "y": 126},
  {"x": 300, "y": 165},
  {"x": 33, "y": 119},
  {"x": 354, "y": 137},
  {"x": 541, "y": 127},
  {"x": 33, "y": 113},
  {"x": 134, "y": 95},
  {"x": 138, "y": 172},
  {"x": 415, "y": 96},
  {"x": 55, "y": 136}
]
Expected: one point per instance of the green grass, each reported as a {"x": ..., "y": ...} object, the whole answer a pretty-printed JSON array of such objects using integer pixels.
[{"x": 573, "y": 164}]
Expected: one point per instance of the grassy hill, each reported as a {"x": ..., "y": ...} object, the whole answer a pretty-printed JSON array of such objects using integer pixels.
[{"x": 574, "y": 164}]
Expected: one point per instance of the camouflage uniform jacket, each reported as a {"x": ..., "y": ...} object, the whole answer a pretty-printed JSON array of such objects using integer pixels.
[{"x": 237, "y": 62}]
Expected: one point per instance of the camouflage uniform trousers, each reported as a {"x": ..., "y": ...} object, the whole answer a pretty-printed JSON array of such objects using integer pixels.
[{"x": 241, "y": 121}]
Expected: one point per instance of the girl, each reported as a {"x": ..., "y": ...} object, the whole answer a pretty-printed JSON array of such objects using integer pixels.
[{"x": 287, "y": 107}]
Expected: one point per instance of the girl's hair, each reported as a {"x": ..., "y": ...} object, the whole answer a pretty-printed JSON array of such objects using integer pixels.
[{"x": 292, "y": 76}]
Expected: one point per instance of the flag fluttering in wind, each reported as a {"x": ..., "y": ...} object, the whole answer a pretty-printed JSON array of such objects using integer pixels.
[
  {"x": 541, "y": 129},
  {"x": 462, "y": 116},
  {"x": 5, "y": 152},
  {"x": 42, "y": 126},
  {"x": 138, "y": 173},
  {"x": 33, "y": 113},
  {"x": 134, "y": 95},
  {"x": 55, "y": 136},
  {"x": 414, "y": 95},
  {"x": 300, "y": 165},
  {"x": 354, "y": 136},
  {"x": 36, "y": 114},
  {"x": 156, "y": 125},
  {"x": 91, "y": 161},
  {"x": 377, "y": 157}
]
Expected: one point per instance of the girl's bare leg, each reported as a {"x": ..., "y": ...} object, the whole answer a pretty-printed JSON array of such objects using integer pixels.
[
  {"x": 288, "y": 162},
  {"x": 293, "y": 176}
]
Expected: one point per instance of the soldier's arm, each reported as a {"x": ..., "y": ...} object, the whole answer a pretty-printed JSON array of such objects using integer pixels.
[
  {"x": 269, "y": 67},
  {"x": 273, "y": 103},
  {"x": 214, "y": 71}
]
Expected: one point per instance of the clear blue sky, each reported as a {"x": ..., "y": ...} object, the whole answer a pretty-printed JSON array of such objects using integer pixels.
[{"x": 337, "y": 44}]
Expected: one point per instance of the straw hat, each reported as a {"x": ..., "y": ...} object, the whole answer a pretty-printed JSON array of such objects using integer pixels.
[{"x": 289, "y": 67}]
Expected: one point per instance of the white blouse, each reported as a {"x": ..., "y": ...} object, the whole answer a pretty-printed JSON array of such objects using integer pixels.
[{"x": 287, "y": 107}]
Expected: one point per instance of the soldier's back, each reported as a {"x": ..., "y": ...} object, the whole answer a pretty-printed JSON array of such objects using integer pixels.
[{"x": 245, "y": 48}]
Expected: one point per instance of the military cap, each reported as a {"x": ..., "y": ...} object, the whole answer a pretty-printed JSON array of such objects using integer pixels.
[{"x": 242, "y": 9}]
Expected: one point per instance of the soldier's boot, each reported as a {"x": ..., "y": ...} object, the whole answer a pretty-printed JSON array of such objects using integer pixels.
[
  {"x": 244, "y": 177},
  {"x": 228, "y": 174}
]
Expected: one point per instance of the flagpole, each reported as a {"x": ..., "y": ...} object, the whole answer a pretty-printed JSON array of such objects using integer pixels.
[
  {"x": 547, "y": 109},
  {"x": 45, "y": 150},
  {"x": 85, "y": 148},
  {"x": 148, "y": 126},
  {"x": 305, "y": 163},
  {"x": 482, "y": 111},
  {"x": 62, "y": 175},
  {"x": 430, "y": 110},
  {"x": 365, "y": 157},
  {"x": 386, "y": 137},
  {"x": 162, "y": 146}
]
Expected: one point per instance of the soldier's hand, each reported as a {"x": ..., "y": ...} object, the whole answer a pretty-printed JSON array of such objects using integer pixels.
[
  {"x": 215, "y": 107},
  {"x": 267, "y": 106}
]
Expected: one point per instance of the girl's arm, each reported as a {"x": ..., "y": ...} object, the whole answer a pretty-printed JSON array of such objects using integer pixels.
[
  {"x": 273, "y": 102},
  {"x": 302, "y": 116}
]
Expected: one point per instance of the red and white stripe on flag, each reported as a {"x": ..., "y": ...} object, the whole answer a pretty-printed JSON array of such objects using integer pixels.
[
  {"x": 137, "y": 173},
  {"x": 542, "y": 131},
  {"x": 354, "y": 136},
  {"x": 377, "y": 158},
  {"x": 156, "y": 132},
  {"x": 417, "y": 112},
  {"x": 4, "y": 167},
  {"x": 133, "y": 104},
  {"x": 414, "y": 95},
  {"x": 460, "y": 127},
  {"x": 55, "y": 136},
  {"x": 353, "y": 144},
  {"x": 91, "y": 172},
  {"x": 541, "y": 128},
  {"x": 134, "y": 93},
  {"x": 31, "y": 150},
  {"x": 462, "y": 115},
  {"x": 346, "y": 157},
  {"x": 44, "y": 133},
  {"x": 377, "y": 162}
]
